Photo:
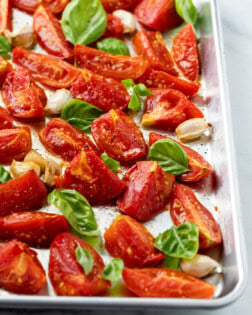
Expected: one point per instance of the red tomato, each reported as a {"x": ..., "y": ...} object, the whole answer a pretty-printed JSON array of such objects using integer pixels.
[
  {"x": 160, "y": 15},
  {"x": 5, "y": 16},
  {"x": 111, "y": 66},
  {"x": 200, "y": 168},
  {"x": 14, "y": 144},
  {"x": 147, "y": 190},
  {"x": 99, "y": 91},
  {"x": 112, "y": 5},
  {"x": 185, "y": 207},
  {"x": 20, "y": 95},
  {"x": 132, "y": 242},
  {"x": 166, "y": 283},
  {"x": 167, "y": 108},
  {"x": 67, "y": 275},
  {"x": 20, "y": 270},
  {"x": 118, "y": 135},
  {"x": 55, "y": 6},
  {"x": 6, "y": 120},
  {"x": 5, "y": 67},
  {"x": 91, "y": 177},
  {"x": 48, "y": 70},
  {"x": 63, "y": 139},
  {"x": 29, "y": 6},
  {"x": 114, "y": 27},
  {"x": 23, "y": 193},
  {"x": 151, "y": 45},
  {"x": 37, "y": 229},
  {"x": 50, "y": 35}
]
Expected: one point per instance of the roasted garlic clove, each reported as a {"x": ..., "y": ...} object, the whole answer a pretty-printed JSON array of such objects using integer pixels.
[
  {"x": 128, "y": 20},
  {"x": 192, "y": 129},
  {"x": 35, "y": 157},
  {"x": 20, "y": 168},
  {"x": 56, "y": 102},
  {"x": 24, "y": 37},
  {"x": 52, "y": 169}
]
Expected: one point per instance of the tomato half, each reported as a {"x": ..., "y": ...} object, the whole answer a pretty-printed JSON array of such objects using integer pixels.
[
  {"x": 185, "y": 207},
  {"x": 20, "y": 270},
  {"x": 147, "y": 190},
  {"x": 64, "y": 140},
  {"x": 48, "y": 70},
  {"x": 37, "y": 229},
  {"x": 132, "y": 242},
  {"x": 67, "y": 275},
  {"x": 199, "y": 167},
  {"x": 118, "y": 135},
  {"x": 5, "y": 16},
  {"x": 29, "y": 6},
  {"x": 166, "y": 283},
  {"x": 99, "y": 91},
  {"x": 5, "y": 68},
  {"x": 112, "y": 5},
  {"x": 114, "y": 27},
  {"x": 6, "y": 121},
  {"x": 167, "y": 108}
]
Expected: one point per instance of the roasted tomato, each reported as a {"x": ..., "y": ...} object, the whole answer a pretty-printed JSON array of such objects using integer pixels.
[
  {"x": 102, "y": 92},
  {"x": 114, "y": 27},
  {"x": 14, "y": 144},
  {"x": 152, "y": 46},
  {"x": 185, "y": 207},
  {"x": 37, "y": 229},
  {"x": 6, "y": 120},
  {"x": 20, "y": 270},
  {"x": 160, "y": 15},
  {"x": 5, "y": 67},
  {"x": 185, "y": 53},
  {"x": 23, "y": 193},
  {"x": 147, "y": 190},
  {"x": 67, "y": 275},
  {"x": 5, "y": 16},
  {"x": 112, "y": 5},
  {"x": 167, "y": 108},
  {"x": 132, "y": 242},
  {"x": 166, "y": 283},
  {"x": 29, "y": 6},
  {"x": 159, "y": 79},
  {"x": 48, "y": 70},
  {"x": 111, "y": 66},
  {"x": 63, "y": 139},
  {"x": 50, "y": 35},
  {"x": 118, "y": 135},
  {"x": 21, "y": 96},
  {"x": 55, "y": 6},
  {"x": 91, "y": 177},
  {"x": 199, "y": 167}
]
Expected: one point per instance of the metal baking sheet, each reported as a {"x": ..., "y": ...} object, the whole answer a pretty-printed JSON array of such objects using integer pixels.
[{"x": 219, "y": 192}]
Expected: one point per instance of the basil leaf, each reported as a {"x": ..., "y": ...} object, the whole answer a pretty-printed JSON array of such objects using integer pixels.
[
  {"x": 81, "y": 114},
  {"x": 186, "y": 10},
  {"x": 170, "y": 156},
  {"x": 171, "y": 262},
  {"x": 4, "y": 47},
  {"x": 111, "y": 163},
  {"x": 4, "y": 175},
  {"x": 76, "y": 209},
  {"x": 85, "y": 259},
  {"x": 113, "y": 46},
  {"x": 179, "y": 241},
  {"x": 129, "y": 83},
  {"x": 113, "y": 270},
  {"x": 83, "y": 21},
  {"x": 135, "y": 101},
  {"x": 142, "y": 90}
]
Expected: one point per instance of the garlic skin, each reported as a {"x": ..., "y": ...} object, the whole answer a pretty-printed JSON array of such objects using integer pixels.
[
  {"x": 56, "y": 102},
  {"x": 200, "y": 266},
  {"x": 20, "y": 168},
  {"x": 23, "y": 37},
  {"x": 35, "y": 157},
  {"x": 52, "y": 169},
  {"x": 192, "y": 129},
  {"x": 128, "y": 20}
]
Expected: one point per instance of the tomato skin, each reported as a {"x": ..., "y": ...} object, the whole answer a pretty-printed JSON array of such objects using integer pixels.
[
  {"x": 5, "y": 16},
  {"x": 167, "y": 108},
  {"x": 200, "y": 168},
  {"x": 118, "y": 135},
  {"x": 147, "y": 190},
  {"x": 185, "y": 52},
  {"x": 37, "y": 229},
  {"x": 6, "y": 121},
  {"x": 114, "y": 27},
  {"x": 64, "y": 140},
  {"x": 48, "y": 70},
  {"x": 112, "y": 94},
  {"x": 111, "y": 66},
  {"x": 185, "y": 207},
  {"x": 20, "y": 270},
  {"x": 29, "y": 6},
  {"x": 5, "y": 68},
  {"x": 112, "y": 5},
  {"x": 166, "y": 283}
]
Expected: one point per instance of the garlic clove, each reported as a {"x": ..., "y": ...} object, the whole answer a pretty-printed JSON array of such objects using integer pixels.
[
  {"x": 128, "y": 20},
  {"x": 56, "y": 102},
  {"x": 20, "y": 168},
  {"x": 192, "y": 129},
  {"x": 52, "y": 169},
  {"x": 35, "y": 157},
  {"x": 24, "y": 37}
]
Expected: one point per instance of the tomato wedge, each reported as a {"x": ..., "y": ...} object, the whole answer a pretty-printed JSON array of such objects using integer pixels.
[
  {"x": 147, "y": 190},
  {"x": 6, "y": 121},
  {"x": 20, "y": 270},
  {"x": 29, "y": 6},
  {"x": 112, "y": 5},
  {"x": 185, "y": 207},
  {"x": 37, "y": 229},
  {"x": 67, "y": 275},
  {"x": 132, "y": 242},
  {"x": 48, "y": 70},
  {"x": 118, "y": 135},
  {"x": 5, "y": 16},
  {"x": 114, "y": 27},
  {"x": 56, "y": 6},
  {"x": 166, "y": 283},
  {"x": 200, "y": 168},
  {"x": 50, "y": 35},
  {"x": 5, "y": 67}
]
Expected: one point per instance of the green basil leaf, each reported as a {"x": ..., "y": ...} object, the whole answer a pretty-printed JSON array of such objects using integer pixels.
[
  {"x": 4, "y": 47},
  {"x": 186, "y": 10},
  {"x": 113, "y": 46},
  {"x": 113, "y": 270},
  {"x": 129, "y": 83},
  {"x": 142, "y": 90},
  {"x": 135, "y": 101},
  {"x": 111, "y": 163},
  {"x": 171, "y": 262},
  {"x": 4, "y": 175},
  {"x": 85, "y": 259},
  {"x": 179, "y": 241},
  {"x": 76, "y": 209},
  {"x": 84, "y": 21},
  {"x": 170, "y": 156}
]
